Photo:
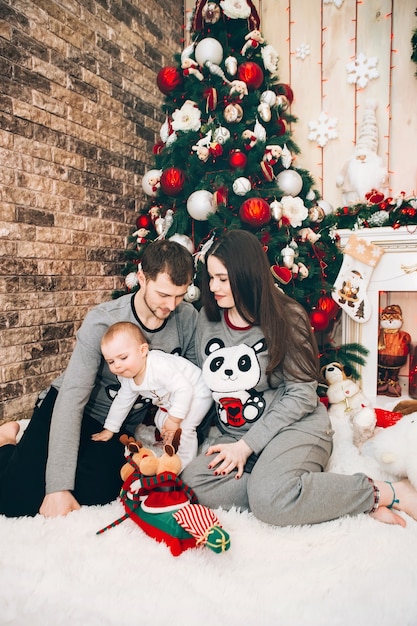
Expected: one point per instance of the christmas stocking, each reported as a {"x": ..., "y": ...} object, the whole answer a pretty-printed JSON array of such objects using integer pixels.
[{"x": 359, "y": 260}]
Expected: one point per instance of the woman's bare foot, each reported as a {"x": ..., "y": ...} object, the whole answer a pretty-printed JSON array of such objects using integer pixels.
[
  {"x": 387, "y": 516},
  {"x": 8, "y": 433},
  {"x": 407, "y": 496}
]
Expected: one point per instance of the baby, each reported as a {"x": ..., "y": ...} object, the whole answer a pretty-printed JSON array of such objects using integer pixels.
[{"x": 171, "y": 382}]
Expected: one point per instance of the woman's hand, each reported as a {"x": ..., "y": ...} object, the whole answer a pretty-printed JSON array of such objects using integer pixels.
[
  {"x": 58, "y": 503},
  {"x": 230, "y": 456}
]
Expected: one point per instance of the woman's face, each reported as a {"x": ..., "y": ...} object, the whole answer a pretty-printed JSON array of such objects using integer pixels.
[{"x": 219, "y": 283}]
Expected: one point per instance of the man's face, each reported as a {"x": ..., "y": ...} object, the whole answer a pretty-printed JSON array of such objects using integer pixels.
[{"x": 161, "y": 296}]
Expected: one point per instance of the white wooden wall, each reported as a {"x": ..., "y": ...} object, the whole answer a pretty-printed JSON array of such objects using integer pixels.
[{"x": 376, "y": 28}]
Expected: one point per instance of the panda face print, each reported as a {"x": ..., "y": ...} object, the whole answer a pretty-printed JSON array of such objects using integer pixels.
[
  {"x": 231, "y": 374},
  {"x": 227, "y": 370}
]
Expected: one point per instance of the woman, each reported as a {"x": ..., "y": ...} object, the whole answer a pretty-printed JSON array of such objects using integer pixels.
[{"x": 259, "y": 358}]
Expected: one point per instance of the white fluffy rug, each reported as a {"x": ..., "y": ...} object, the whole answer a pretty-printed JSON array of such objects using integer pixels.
[{"x": 353, "y": 571}]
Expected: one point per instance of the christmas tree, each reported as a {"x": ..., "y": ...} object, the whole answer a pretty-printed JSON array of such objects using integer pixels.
[{"x": 226, "y": 159}]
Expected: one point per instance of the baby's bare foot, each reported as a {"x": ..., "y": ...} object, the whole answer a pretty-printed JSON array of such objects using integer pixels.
[{"x": 8, "y": 433}]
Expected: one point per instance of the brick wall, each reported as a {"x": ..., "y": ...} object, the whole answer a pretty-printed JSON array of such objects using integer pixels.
[{"x": 79, "y": 114}]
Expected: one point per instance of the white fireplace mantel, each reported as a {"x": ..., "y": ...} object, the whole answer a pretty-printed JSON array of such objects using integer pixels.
[{"x": 396, "y": 271}]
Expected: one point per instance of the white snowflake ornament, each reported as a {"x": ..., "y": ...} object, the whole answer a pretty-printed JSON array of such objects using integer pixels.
[
  {"x": 302, "y": 51},
  {"x": 323, "y": 129},
  {"x": 362, "y": 70},
  {"x": 337, "y": 3}
]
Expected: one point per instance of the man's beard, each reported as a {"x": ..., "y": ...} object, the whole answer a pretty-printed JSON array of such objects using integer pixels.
[{"x": 156, "y": 311}]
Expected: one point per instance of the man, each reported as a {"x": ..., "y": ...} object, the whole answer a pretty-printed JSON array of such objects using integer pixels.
[{"x": 73, "y": 470}]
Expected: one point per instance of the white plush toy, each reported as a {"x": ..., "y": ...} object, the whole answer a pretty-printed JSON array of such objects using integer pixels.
[
  {"x": 348, "y": 405},
  {"x": 364, "y": 171},
  {"x": 395, "y": 448}
]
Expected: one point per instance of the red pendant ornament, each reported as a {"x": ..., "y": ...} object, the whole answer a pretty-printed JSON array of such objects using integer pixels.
[
  {"x": 144, "y": 221},
  {"x": 168, "y": 79},
  {"x": 237, "y": 159},
  {"x": 282, "y": 274},
  {"x": 210, "y": 95},
  {"x": 220, "y": 197},
  {"x": 172, "y": 181},
  {"x": 251, "y": 74},
  {"x": 255, "y": 212},
  {"x": 319, "y": 320},
  {"x": 158, "y": 147}
]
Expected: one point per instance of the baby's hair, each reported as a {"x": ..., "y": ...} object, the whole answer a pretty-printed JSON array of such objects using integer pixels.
[{"x": 127, "y": 328}]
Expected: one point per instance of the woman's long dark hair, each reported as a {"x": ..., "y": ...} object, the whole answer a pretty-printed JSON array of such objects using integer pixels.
[{"x": 283, "y": 321}]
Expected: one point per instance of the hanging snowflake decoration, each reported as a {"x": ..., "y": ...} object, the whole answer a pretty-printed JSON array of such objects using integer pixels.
[
  {"x": 302, "y": 51},
  {"x": 337, "y": 3},
  {"x": 362, "y": 70},
  {"x": 323, "y": 129}
]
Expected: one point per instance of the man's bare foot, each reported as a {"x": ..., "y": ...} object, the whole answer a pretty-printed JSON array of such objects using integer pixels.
[{"x": 8, "y": 433}]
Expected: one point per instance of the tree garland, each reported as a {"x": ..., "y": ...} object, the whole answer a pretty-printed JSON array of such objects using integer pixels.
[{"x": 377, "y": 211}]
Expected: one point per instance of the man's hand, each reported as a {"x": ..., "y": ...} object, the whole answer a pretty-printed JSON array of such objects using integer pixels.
[
  {"x": 230, "y": 456},
  {"x": 58, "y": 503}
]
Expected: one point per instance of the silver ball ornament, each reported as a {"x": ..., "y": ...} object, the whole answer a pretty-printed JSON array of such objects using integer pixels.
[
  {"x": 208, "y": 49},
  {"x": 290, "y": 182},
  {"x": 200, "y": 204},
  {"x": 183, "y": 240}
]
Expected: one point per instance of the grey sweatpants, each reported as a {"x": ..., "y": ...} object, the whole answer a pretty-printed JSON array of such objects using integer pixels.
[{"x": 287, "y": 485}]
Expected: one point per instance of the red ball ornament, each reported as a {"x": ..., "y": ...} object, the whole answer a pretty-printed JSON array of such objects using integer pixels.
[
  {"x": 281, "y": 127},
  {"x": 251, "y": 74},
  {"x": 172, "y": 181},
  {"x": 237, "y": 159},
  {"x": 326, "y": 303},
  {"x": 144, "y": 221},
  {"x": 285, "y": 90},
  {"x": 319, "y": 320},
  {"x": 255, "y": 212},
  {"x": 168, "y": 79}
]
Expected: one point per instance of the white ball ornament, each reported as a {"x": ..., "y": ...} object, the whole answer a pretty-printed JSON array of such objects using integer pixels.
[
  {"x": 269, "y": 97},
  {"x": 193, "y": 294},
  {"x": 200, "y": 204},
  {"x": 131, "y": 280},
  {"x": 242, "y": 186},
  {"x": 221, "y": 135},
  {"x": 150, "y": 182},
  {"x": 290, "y": 182},
  {"x": 208, "y": 49},
  {"x": 183, "y": 240}
]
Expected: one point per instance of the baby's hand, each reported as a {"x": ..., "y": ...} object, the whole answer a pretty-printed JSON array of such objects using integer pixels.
[
  {"x": 169, "y": 429},
  {"x": 104, "y": 435}
]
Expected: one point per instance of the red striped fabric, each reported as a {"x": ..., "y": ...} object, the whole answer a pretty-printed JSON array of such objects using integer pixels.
[{"x": 196, "y": 519}]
